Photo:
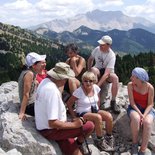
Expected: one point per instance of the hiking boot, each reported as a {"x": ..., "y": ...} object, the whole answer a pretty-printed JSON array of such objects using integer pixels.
[
  {"x": 144, "y": 153},
  {"x": 110, "y": 141},
  {"x": 102, "y": 144},
  {"x": 116, "y": 108},
  {"x": 141, "y": 153},
  {"x": 134, "y": 149},
  {"x": 84, "y": 149}
]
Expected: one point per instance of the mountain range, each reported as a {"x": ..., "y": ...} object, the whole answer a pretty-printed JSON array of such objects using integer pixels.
[
  {"x": 131, "y": 41},
  {"x": 97, "y": 20}
]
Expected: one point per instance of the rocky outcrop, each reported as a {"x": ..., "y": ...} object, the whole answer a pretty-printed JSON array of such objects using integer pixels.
[
  {"x": 18, "y": 134},
  {"x": 21, "y": 137}
]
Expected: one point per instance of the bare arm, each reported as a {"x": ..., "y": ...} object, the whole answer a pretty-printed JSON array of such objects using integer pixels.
[
  {"x": 67, "y": 61},
  {"x": 150, "y": 100},
  {"x": 77, "y": 67},
  {"x": 77, "y": 123},
  {"x": 90, "y": 62},
  {"x": 104, "y": 77},
  {"x": 99, "y": 102},
  {"x": 70, "y": 103},
  {"x": 27, "y": 86}
]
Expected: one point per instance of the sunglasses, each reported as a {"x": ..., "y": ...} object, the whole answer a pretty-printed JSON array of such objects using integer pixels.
[{"x": 88, "y": 81}]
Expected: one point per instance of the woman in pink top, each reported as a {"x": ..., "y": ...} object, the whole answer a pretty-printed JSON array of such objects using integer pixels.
[{"x": 140, "y": 110}]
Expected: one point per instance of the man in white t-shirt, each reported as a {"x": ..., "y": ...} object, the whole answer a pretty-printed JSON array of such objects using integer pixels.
[
  {"x": 104, "y": 67},
  {"x": 50, "y": 112}
]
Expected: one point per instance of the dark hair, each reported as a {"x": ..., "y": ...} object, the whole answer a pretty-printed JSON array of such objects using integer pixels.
[{"x": 73, "y": 47}]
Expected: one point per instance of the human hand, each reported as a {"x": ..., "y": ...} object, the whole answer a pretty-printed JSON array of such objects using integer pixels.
[
  {"x": 141, "y": 119},
  {"x": 22, "y": 116},
  {"x": 78, "y": 122},
  {"x": 73, "y": 59}
]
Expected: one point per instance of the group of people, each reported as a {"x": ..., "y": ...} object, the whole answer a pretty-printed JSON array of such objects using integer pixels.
[{"x": 40, "y": 93}]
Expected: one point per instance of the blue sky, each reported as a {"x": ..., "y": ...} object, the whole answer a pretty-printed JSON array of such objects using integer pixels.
[{"x": 26, "y": 13}]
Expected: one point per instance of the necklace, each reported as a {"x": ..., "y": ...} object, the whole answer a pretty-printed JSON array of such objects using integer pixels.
[{"x": 91, "y": 103}]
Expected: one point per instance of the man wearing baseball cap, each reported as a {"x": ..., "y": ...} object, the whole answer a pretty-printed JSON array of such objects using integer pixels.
[
  {"x": 104, "y": 67},
  {"x": 50, "y": 113}
]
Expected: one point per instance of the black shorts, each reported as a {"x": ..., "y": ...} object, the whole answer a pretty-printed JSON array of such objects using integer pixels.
[
  {"x": 30, "y": 109},
  {"x": 102, "y": 70}
]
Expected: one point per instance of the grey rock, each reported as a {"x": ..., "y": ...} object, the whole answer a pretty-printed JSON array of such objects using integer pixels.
[{"x": 21, "y": 137}]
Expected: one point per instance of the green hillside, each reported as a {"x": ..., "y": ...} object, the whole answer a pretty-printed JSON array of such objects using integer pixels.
[{"x": 15, "y": 43}]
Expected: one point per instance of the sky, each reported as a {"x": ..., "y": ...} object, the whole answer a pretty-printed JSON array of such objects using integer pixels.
[{"x": 26, "y": 13}]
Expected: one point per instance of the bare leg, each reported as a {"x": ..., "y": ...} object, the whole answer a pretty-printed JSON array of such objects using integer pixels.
[
  {"x": 114, "y": 80},
  {"x": 97, "y": 120},
  {"x": 107, "y": 117},
  {"x": 73, "y": 84},
  {"x": 135, "y": 126},
  {"x": 96, "y": 72},
  {"x": 147, "y": 127},
  {"x": 77, "y": 152}
]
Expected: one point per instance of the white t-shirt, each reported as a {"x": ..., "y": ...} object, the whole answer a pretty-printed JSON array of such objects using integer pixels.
[
  {"x": 104, "y": 59},
  {"x": 48, "y": 104},
  {"x": 83, "y": 104}
]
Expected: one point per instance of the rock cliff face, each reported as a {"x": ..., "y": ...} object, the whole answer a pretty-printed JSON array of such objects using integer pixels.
[{"x": 17, "y": 137}]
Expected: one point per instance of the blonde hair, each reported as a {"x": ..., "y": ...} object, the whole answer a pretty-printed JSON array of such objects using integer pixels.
[{"x": 89, "y": 76}]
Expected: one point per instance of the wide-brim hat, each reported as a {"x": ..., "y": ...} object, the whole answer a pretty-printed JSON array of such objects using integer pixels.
[{"x": 61, "y": 71}]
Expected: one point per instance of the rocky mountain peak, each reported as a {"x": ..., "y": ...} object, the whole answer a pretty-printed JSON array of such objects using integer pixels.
[{"x": 98, "y": 20}]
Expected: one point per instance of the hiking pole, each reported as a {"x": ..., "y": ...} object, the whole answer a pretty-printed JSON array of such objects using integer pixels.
[
  {"x": 85, "y": 140},
  {"x": 86, "y": 143}
]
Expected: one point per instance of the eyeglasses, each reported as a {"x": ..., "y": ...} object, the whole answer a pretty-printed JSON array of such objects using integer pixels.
[{"x": 88, "y": 81}]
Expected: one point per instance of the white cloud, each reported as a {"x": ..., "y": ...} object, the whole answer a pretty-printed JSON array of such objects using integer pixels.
[
  {"x": 26, "y": 13},
  {"x": 18, "y": 5},
  {"x": 146, "y": 10}
]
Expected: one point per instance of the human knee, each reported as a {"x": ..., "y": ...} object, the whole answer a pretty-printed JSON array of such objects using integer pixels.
[
  {"x": 115, "y": 79},
  {"x": 97, "y": 119},
  {"x": 109, "y": 116},
  {"x": 88, "y": 127},
  {"x": 135, "y": 118},
  {"x": 147, "y": 123},
  {"x": 95, "y": 71},
  {"x": 73, "y": 84}
]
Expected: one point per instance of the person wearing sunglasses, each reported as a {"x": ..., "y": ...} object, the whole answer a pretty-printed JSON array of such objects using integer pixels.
[
  {"x": 104, "y": 68},
  {"x": 87, "y": 101}
]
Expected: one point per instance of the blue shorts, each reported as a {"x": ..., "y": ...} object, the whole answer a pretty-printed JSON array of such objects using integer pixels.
[{"x": 129, "y": 109}]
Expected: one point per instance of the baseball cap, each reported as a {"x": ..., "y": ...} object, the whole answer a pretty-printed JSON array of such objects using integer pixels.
[
  {"x": 105, "y": 40},
  {"x": 33, "y": 57}
]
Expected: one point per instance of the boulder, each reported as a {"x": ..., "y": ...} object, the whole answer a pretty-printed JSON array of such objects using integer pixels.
[
  {"x": 21, "y": 137},
  {"x": 18, "y": 134}
]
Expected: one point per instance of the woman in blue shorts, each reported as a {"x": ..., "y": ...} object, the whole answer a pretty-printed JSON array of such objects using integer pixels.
[{"x": 140, "y": 110}]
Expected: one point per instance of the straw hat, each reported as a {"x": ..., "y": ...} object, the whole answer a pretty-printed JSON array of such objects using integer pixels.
[{"x": 61, "y": 71}]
